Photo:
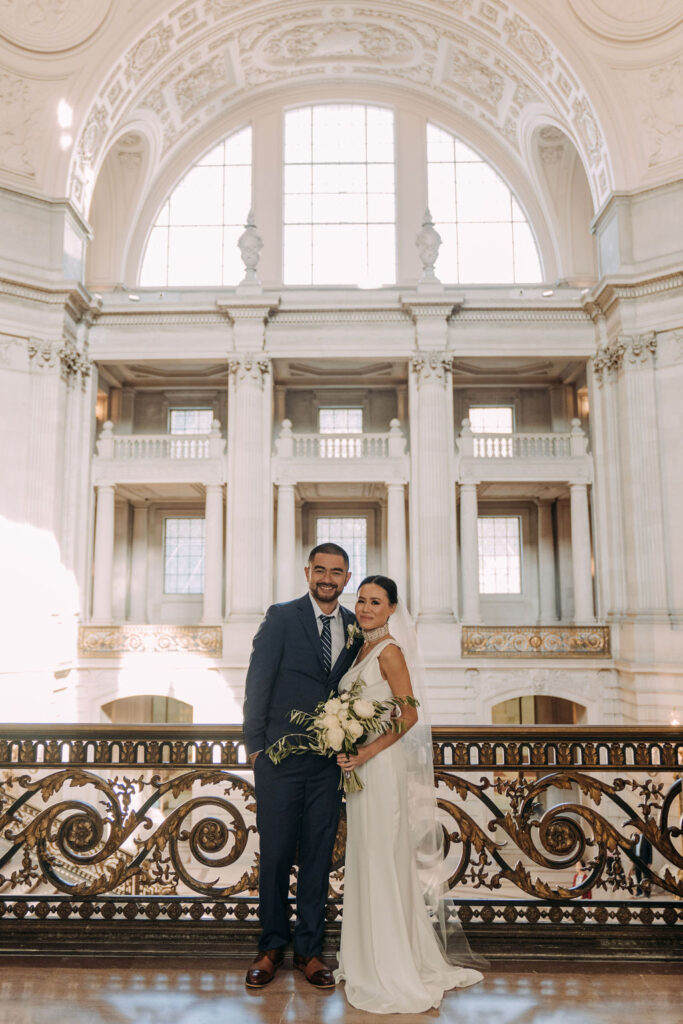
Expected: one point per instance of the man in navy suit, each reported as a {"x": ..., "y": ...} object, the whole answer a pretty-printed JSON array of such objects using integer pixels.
[{"x": 299, "y": 656}]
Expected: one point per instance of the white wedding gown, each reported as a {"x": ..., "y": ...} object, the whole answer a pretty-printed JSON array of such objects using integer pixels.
[{"x": 390, "y": 958}]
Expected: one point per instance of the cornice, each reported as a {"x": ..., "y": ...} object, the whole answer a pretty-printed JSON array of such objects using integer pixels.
[
  {"x": 158, "y": 318},
  {"x": 613, "y": 289},
  {"x": 516, "y": 315},
  {"x": 74, "y": 297}
]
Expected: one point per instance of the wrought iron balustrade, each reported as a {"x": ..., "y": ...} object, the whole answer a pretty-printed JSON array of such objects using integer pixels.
[{"x": 155, "y": 825}]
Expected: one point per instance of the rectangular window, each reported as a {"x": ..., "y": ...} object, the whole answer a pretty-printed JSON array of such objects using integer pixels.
[
  {"x": 190, "y": 421},
  {"x": 351, "y": 534},
  {"x": 500, "y": 555},
  {"x": 184, "y": 555},
  {"x": 333, "y": 420},
  {"x": 492, "y": 419},
  {"x": 339, "y": 195}
]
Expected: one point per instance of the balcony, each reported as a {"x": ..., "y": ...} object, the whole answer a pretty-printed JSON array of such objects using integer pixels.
[
  {"x": 357, "y": 457},
  {"x": 114, "y": 837},
  {"x": 162, "y": 458},
  {"x": 522, "y": 457}
]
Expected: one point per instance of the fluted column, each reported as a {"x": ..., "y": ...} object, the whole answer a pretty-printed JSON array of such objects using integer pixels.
[
  {"x": 396, "y": 536},
  {"x": 249, "y": 496},
  {"x": 286, "y": 543},
  {"x": 547, "y": 602},
  {"x": 469, "y": 553},
  {"x": 213, "y": 554},
  {"x": 104, "y": 554},
  {"x": 433, "y": 483},
  {"x": 581, "y": 554},
  {"x": 137, "y": 609}
]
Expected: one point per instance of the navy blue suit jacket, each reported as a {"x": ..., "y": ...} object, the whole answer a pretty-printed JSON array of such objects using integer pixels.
[{"x": 286, "y": 671}]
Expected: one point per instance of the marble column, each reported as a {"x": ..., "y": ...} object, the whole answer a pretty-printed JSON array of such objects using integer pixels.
[
  {"x": 286, "y": 543},
  {"x": 249, "y": 488},
  {"x": 547, "y": 602},
  {"x": 104, "y": 554},
  {"x": 137, "y": 606},
  {"x": 213, "y": 554},
  {"x": 396, "y": 536},
  {"x": 433, "y": 483},
  {"x": 469, "y": 553},
  {"x": 581, "y": 554}
]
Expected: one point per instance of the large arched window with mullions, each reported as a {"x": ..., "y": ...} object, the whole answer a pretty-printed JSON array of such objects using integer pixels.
[
  {"x": 485, "y": 235},
  {"x": 194, "y": 238},
  {"x": 339, "y": 196}
]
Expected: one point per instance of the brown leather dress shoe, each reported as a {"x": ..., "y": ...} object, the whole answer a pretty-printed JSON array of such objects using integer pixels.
[
  {"x": 263, "y": 968},
  {"x": 315, "y": 971}
]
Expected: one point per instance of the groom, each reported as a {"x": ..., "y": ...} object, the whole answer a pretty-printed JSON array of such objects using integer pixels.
[{"x": 299, "y": 656}]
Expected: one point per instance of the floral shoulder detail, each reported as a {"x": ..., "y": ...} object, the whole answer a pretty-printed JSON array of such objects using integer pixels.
[{"x": 353, "y": 633}]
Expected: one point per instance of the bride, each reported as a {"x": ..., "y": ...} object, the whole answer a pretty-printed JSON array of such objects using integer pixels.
[{"x": 390, "y": 957}]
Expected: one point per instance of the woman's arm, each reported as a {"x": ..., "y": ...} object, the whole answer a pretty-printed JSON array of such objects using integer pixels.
[{"x": 394, "y": 669}]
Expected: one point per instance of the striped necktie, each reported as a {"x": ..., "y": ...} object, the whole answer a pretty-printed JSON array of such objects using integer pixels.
[{"x": 326, "y": 641}]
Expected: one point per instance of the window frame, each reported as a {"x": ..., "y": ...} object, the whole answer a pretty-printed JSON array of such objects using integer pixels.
[
  {"x": 498, "y": 595},
  {"x": 182, "y": 594}
]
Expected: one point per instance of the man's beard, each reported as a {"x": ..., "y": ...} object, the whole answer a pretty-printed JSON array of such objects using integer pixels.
[{"x": 328, "y": 595}]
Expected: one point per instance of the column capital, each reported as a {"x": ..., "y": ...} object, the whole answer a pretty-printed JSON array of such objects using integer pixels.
[
  {"x": 432, "y": 367},
  {"x": 609, "y": 359},
  {"x": 249, "y": 369}
]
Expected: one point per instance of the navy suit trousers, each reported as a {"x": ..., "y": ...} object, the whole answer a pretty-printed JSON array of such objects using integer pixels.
[{"x": 297, "y": 812}]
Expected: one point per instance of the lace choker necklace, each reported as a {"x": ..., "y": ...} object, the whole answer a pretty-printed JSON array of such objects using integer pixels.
[{"x": 370, "y": 635}]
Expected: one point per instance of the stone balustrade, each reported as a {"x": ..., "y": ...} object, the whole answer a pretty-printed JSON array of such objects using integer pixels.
[
  {"x": 522, "y": 446},
  {"x": 134, "y": 447},
  {"x": 390, "y": 444}
]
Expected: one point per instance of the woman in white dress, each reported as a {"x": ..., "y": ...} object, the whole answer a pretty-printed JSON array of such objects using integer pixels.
[{"x": 390, "y": 957}]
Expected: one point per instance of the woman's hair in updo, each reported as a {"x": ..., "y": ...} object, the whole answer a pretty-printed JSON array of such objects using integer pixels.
[{"x": 386, "y": 584}]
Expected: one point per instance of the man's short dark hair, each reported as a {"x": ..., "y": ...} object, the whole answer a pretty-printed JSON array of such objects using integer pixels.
[{"x": 329, "y": 548}]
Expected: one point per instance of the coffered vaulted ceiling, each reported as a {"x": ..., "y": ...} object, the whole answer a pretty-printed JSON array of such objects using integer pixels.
[{"x": 608, "y": 73}]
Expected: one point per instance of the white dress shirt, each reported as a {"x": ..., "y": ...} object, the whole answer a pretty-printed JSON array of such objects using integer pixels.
[{"x": 336, "y": 627}]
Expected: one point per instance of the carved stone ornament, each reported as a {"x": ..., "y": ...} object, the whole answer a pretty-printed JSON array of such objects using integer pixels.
[
  {"x": 250, "y": 244},
  {"x": 249, "y": 369},
  {"x": 43, "y": 355},
  {"x": 428, "y": 242},
  {"x": 640, "y": 347},
  {"x": 432, "y": 368},
  {"x": 608, "y": 359}
]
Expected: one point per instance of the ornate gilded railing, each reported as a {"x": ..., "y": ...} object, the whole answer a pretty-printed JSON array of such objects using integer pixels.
[{"x": 155, "y": 824}]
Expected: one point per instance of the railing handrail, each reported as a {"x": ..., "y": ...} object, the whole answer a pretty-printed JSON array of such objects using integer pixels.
[{"x": 93, "y": 731}]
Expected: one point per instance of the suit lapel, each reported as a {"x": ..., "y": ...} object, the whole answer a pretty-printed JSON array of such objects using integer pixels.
[{"x": 310, "y": 628}]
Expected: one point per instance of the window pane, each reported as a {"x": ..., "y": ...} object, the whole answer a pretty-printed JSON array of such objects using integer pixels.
[
  {"x": 207, "y": 211},
  {"x": 491, "y": 419},
  {"x": 494, "y": 241},
  {"x": 340, "y": 421},
  {"x": 351, "y": 534},
  {"x": 347, "y": 186},
  {"x": 184, "y": 556},
  {"x": 190, "y": 421},
  {"x": 499, "y": 555}
]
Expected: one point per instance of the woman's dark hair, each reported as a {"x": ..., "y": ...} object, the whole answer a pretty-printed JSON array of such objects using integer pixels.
[{"x": 386, "y": 584}]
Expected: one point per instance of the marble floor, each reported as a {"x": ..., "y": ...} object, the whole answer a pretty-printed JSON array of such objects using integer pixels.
[{"x": 180, "y": 990}]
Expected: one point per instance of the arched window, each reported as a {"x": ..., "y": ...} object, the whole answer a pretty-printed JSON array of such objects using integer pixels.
[
  {"x": 194, "y": 238},
  {"x": 485, "y": 236},
  {"x": 147, "y": 708},
  {"x": 339, "y": 196}
]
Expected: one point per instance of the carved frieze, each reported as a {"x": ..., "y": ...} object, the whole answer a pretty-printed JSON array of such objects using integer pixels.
[
  {"x": 148, "y": 51},
  {"x": 22, "y": 108},
  {"x": 107, "y": 641},
  {"x": 536, "y": 641}
]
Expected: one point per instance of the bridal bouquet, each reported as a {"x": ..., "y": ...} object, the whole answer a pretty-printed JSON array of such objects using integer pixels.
[{"x": 337, "y": 724}]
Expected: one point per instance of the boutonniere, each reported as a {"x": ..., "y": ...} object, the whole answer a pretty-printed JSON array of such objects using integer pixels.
[{"x": 353, "y": 632}]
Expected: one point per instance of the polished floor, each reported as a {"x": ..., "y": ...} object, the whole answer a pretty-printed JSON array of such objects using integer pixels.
[{"x": 63, "y": 990}]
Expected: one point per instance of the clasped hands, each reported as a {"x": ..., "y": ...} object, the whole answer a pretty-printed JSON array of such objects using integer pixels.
[{"x": 349, "y": 762}]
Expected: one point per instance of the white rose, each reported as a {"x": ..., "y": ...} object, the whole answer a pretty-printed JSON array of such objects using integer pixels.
[
  {"x": 342, "y": 716},
  {"x": 333, "y": 705},
  {"x": 355, "y": 729},
  {"x": 363, "y": 708},
  {"x": 344, "y": 698},
  {"x": 335, "y": 738},
  {"x": 330, "y": 721}
]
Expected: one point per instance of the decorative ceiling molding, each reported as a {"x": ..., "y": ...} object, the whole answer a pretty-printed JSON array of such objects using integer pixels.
[
  {"x": 628, "y": 20},
  {"x": 49, "y": 26},
  {"x": 485, "y": 60}
]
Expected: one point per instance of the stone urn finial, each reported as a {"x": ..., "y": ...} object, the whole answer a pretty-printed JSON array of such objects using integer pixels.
[
  {"x": 428, "y": 242},
  {"x": 250, "y": 244}
]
